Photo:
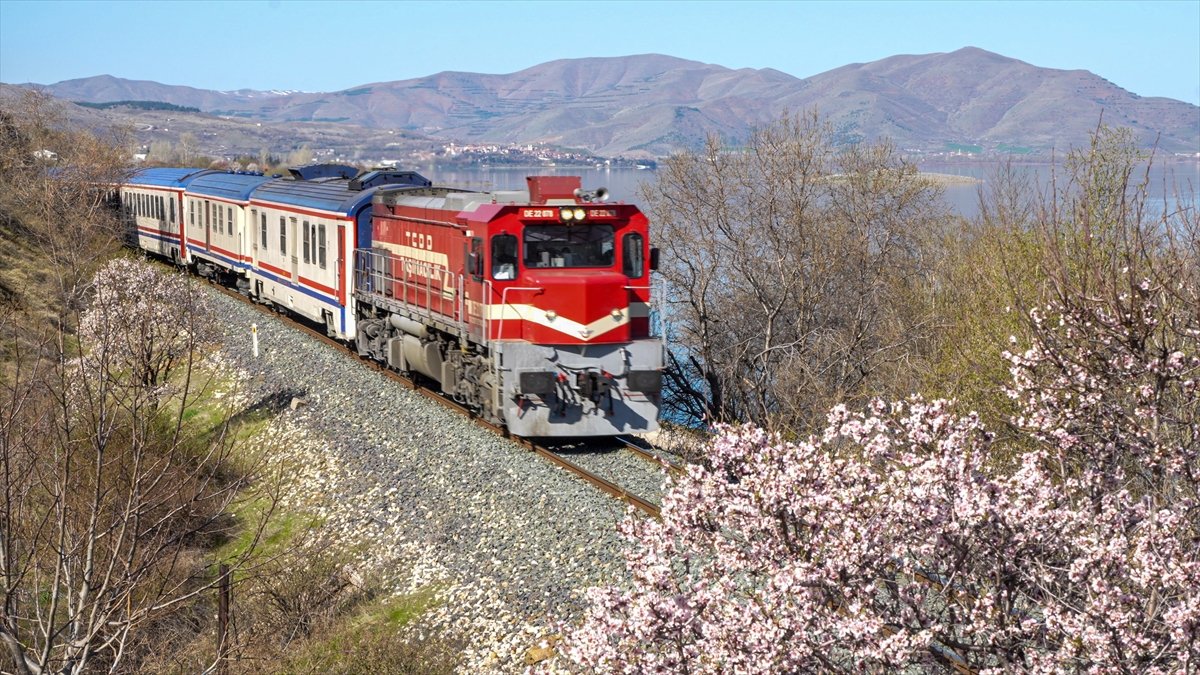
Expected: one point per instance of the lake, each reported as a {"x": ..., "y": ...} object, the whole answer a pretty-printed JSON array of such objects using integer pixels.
[{"x": 963, "y": 198}]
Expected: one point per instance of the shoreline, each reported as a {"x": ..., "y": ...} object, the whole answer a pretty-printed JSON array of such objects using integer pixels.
[{"x": 949, "y": 178}]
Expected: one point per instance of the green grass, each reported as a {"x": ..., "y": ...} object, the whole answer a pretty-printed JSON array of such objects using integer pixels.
[
  {"x": 1014, "y": 149},
  {"x": 397, "y": 612},
  {"x": 372, "y": 642},
  {"x": 962, "y": 147}
]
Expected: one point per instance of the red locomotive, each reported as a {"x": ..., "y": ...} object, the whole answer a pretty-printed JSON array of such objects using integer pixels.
[{"x": 531, "y": 306}]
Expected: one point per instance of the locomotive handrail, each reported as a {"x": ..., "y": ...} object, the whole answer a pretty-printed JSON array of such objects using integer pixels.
[
  {"x": 504, "y": 302},
  {"x": 500, "y": 329},
  {"x": 378, "y": 279}
]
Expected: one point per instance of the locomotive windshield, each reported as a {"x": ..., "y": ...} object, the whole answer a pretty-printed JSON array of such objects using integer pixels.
[{"x": 568, "y": 246}]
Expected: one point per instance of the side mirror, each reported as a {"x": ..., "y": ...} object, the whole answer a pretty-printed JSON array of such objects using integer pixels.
[{"x": 653, "y": 259}]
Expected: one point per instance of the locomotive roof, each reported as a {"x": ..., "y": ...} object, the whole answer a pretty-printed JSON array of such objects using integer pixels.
[
  {"x": 449, "y": 199},
  {"x": 330, "y": 194},
  {"x": 167, "y": 176},
  {"x": 234, "y": 186},
  {"x": 327, "y": 170}
]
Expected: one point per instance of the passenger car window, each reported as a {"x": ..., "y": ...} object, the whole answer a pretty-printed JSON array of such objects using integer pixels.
[{"x": 321, "y": 245}]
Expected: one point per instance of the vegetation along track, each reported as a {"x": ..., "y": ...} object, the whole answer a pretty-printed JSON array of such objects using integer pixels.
[
  {"x": 564, "y": 455},
  {"x": 555, "y": 457}
]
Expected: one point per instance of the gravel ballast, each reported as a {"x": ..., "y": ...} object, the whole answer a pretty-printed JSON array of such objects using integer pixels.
[{"x": 423, "y": 498}]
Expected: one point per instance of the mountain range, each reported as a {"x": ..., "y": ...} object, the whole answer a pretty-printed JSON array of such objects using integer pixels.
[{"x": 650, "y": 105}]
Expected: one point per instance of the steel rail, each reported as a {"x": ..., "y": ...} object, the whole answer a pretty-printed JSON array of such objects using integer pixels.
[
  {"x": 646, "y": 506},
  {"x": 635, "y": 445}
]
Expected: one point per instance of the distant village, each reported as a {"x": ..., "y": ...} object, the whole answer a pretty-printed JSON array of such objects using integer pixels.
[
  {"x": 450, "y": 154},
  {"x": 527, "y": 154}
]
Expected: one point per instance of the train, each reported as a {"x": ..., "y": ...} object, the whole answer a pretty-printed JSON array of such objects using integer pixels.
[{"x": 530, "y": 307}]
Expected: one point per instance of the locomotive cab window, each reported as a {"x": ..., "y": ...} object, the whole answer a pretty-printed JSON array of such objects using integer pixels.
[
  {"x": 568, "y": 245},
  {"x": 504, "y": 257},
  {"x": 633, "y": 262},
  {"x": 475, "y": 259}
]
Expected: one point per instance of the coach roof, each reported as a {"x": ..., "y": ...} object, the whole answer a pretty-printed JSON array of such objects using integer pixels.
[
  {"x": 232, "y": 186},
  {"x": 327, "y": 194},
  {"x": 324, "y": 195},
  {"x": 166, "y": 177}
]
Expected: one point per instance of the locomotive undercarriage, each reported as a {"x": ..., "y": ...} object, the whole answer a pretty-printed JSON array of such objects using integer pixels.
[
  {"x": 535, "y": 390},
  {"x": 580, "y": 390},
  {"x": 462, "y": 369}
]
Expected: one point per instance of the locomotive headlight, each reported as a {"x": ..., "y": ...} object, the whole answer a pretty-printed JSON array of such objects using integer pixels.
[
  {"x": 616, "y": 315},
  {"x": 579, "y": 213},
  {"x": 566, "y": 214},
  {"x": 551, "y": 315}
]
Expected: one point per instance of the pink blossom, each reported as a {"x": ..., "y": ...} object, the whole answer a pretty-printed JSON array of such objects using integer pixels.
[{"x": 889, "y": 540}]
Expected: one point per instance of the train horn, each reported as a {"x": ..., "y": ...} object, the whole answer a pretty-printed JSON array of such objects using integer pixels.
[{"x": 597, "y": 195}]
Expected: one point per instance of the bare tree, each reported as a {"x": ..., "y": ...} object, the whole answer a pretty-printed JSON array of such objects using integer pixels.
[
  {"x": 64, "y": 204},
  {"x": 108, "y": 497},
  {"x": 794, "y": 272},
  {"x": 187, "y": 147}
]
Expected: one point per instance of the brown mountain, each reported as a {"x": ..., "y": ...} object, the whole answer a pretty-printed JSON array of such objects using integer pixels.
[
  {"x": 978, "y": 97},
  {"x": 653, "y": 104},
  {"x": 106, "y": 88}
]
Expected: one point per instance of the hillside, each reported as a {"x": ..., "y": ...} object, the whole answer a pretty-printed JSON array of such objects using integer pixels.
[
  {"x": 216, "y": 136},
  {"x": 649, "y": 105},
  {"x": 106, "y": 88}
]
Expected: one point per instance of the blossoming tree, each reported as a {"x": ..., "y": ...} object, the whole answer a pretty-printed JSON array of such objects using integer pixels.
[
  {"x": 903, "y": 537},
  {"x": 108, "y": 495}
]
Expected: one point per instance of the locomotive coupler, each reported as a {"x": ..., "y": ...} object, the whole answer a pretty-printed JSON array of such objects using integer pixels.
[
  {"x": 563, "y": 394},
  {"x": 595, "y": 386}
]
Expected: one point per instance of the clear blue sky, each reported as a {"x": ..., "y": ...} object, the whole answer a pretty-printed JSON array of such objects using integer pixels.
[{"x": 1149, "y": 48}]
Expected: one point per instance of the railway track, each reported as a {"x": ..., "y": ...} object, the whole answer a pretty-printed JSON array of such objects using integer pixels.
[
  {"x": 647, "y": 451},
  {"x": 596, "y": 480}
]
